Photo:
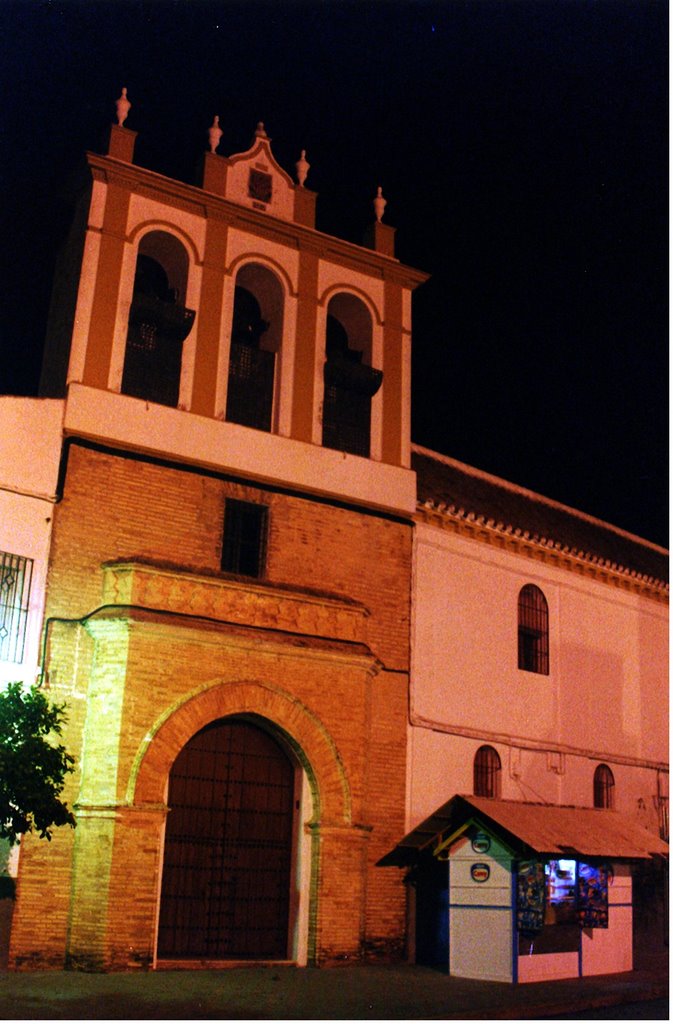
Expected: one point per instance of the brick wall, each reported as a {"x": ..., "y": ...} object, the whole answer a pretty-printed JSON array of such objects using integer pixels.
[{"x": 343, "y": 705}]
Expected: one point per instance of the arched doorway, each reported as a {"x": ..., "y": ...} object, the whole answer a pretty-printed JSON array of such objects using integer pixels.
[{"x": 228, "y": 850}]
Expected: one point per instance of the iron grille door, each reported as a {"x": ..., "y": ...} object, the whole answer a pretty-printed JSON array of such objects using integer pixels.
[{"x": 227, "y": 855}]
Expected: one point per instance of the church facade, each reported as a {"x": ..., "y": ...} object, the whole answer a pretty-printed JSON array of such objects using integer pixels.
[
  {"x": 284, "y": 634},
  {"x": 537, "y": 734},
  {"x": 228, "y": 575}
]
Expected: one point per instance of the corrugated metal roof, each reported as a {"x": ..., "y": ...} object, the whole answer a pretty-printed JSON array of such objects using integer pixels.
[
  {"x": 446, "y": 482},
  {"x": 539, "y": 828}
]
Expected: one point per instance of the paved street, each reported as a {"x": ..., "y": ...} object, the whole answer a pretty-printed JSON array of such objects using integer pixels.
[
  {"x": 377, "y": 992},
  {"x": 654, "y": 1009}
]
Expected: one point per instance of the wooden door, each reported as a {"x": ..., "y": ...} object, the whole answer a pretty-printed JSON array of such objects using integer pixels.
[{"x": 228, "y": 848}]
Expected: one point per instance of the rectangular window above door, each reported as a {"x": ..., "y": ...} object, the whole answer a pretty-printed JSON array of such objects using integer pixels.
[{"x": 244, "y": 541}]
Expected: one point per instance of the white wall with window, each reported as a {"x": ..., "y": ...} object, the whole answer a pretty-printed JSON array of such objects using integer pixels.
[
  {"x": 586, "y": 687},
  {"x": 30, "y": 452}
]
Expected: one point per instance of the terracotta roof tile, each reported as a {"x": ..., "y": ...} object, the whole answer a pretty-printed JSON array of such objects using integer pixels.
[
  {"x": 545, "y": 829},
  {"x": 470, "y": 494}
]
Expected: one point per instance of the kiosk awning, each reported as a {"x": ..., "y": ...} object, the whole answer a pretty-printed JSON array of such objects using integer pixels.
[{"x": 534, "y": 828}]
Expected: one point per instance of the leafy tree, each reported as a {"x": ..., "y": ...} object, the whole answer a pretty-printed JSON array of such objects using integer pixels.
[{"x": 33, "y": 766}]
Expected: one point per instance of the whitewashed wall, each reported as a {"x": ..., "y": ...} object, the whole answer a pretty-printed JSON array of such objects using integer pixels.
[
  {"x": 30, "y": 446},
  {"x": 605, "y": 698}
]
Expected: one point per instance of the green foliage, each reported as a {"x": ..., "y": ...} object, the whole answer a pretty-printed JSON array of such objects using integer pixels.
[{"x": 33, "y": 766}]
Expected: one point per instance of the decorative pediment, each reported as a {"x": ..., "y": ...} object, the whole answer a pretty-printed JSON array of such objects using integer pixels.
[{"x": 255, "y": 179}]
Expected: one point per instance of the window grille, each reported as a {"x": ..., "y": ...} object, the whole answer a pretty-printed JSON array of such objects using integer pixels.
[
  {"x": 244, "y": 542},
  {"x": 487, "y": 769},
  {"x": 346, "y": 421},
  {"x": 15, "y": 578},
  {"x": 604, "y": 787},
  {"x": 533, "y": 630},
  {"x": 250, "y": 389}
]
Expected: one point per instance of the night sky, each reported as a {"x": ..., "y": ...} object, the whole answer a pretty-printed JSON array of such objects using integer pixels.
[{"x": 521, "y": 144}]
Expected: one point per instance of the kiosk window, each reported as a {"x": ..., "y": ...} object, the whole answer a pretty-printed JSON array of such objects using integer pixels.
[
  {"x": 561, "y": 880},
  {"x": 576, "y": 897}
]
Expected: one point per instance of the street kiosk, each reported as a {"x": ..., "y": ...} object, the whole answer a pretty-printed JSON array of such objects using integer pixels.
[{"x": 511, "y": 891}]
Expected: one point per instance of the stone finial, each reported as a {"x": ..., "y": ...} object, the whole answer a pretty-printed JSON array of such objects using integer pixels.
[
  {"x": 214, "y": 134},
  {"x": 379, "y": 204},
  {"x": 123, "y": 105},
  {"x": 303, "y": 167},
  {"x": 260, "y": 132}
]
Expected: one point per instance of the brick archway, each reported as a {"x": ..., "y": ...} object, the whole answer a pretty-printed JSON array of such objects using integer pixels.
[{"x": 310, "y": 740}]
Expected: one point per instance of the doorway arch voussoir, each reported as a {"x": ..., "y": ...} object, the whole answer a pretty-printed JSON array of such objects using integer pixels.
[{"x": 309, "y": 738}]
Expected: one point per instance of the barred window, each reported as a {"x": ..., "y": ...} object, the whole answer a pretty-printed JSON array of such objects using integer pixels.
[
  {"x": 244, "y": 543},
  {"x": 15, "y": 579},
  {"x": 487, "y": 769},
  {"x": 604, "y": 787},
  {"x": 533, "y": 630}
]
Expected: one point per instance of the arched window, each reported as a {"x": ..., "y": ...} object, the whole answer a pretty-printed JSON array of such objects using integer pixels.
[
  {"x": 256, "y": 334},
  {"x": 487, "y": 769},
  {"x": 533, "y": 630},
  {"x": 604, "y": 787},
  {"x": 158, "y": 322},
  {"x": 350, "y": 380}
]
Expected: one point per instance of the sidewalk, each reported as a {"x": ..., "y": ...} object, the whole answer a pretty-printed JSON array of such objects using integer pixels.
[{"x": 402, "y": 992}]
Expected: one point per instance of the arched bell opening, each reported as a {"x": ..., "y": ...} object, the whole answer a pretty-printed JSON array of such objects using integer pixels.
[
  {"x": 158, "y": 320},
  {"x": 256, "y": 334},
  {"x": 350, "y": 380},
  {"x": 236, "y": 864}
]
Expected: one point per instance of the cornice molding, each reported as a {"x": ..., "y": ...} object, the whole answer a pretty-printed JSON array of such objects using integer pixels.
[
  {"x": 544, "y": 549},
  {"x": 206, "y": 204}
]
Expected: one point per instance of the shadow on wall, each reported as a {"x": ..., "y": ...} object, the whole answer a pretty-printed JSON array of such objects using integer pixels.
[{"x": 591, "y": 705}]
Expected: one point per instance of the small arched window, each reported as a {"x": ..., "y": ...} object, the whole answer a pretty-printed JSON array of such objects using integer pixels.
[
  {"x": 604, "y": 787},
  {"x": 255, "y": 339},
  {"x": 533, "y": 630},
  {"x": 487, "y": 770},
  {"x": 350, "y": 379},
  {"x": 158, "y": 322}
]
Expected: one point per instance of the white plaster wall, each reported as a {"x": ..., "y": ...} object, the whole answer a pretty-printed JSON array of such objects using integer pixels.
[
  {"x": 606, "y": 694},
  {"x": 246, "y": 247},
  {"x": 146, "y": 214},
  {"x": 30, "y": 447},
  {"x": 610, "y": 950},
  {"x": 30, "y": 444},
  {"x": 141, "y": 426},
  {"x": 548, "y": 966}
]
